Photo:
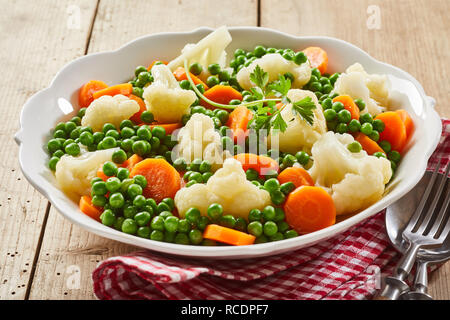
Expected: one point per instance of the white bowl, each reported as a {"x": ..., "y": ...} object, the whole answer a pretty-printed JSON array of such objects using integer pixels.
[{"x": 47, "y": 107}]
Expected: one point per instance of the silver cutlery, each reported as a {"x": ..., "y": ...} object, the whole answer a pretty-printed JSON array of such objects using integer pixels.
[{"x": 425, "y": 232}]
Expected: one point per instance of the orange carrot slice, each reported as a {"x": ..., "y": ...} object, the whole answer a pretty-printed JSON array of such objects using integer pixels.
[
  {"x": 407, "y": 120},
  {"x": 131, "y": 162},
  {"x": 298, "y": 176},
  {"x": 227, "y": 235},
  {"x": 163, "y": 180},
  {"x": 309, "y": 209},
  {"x": 101, "y": 174},
  {"x": 260, "y": 163},
  {"x": 89, "y": 209},
  {"x": 349, "y": 105},
  {"x": 368, "y": 144},
  {"x": 220, "y": 94},
  {"x": 85, "y": 95},
  {"x": 394, "y": 130},
  {"x": 238, "y": 121},
  {"x": 124, "y": 88},
  {"x": 136, "y": 118},
  {"x": 318, "y": 58},
  {"x": 180, "y": 74},
  {"x": 169, "y": 127}
]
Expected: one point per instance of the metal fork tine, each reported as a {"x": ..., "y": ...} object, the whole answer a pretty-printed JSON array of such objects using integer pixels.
[
  {"x": 433, "y": 205},
  {"x": 415, "y": 217},
  {"x": 441, "y": 218}
]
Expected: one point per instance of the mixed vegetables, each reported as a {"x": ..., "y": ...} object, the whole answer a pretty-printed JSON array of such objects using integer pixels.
[{"x": 195, "y": 151}]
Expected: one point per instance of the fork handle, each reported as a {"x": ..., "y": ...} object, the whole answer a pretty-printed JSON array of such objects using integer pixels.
[
  {"x": 392, "y": 289},
  {"x": 420, "y": 284},
  {"x": 406, "y": 263}
]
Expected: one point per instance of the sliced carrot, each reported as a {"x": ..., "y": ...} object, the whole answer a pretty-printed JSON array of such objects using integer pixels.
[
  {"x": 349, "y": 105},
  {"x": 298, "y": 176},
  {"x": 101, "y": 175},
  {"x": 407, "y": 120},
  {"x": 136, "y": 118},
  {"x": 227, "y": 235},
  {"x": 260, "y": 163},
  {"x": 368, "y": 144},
  {"x": 180, "y": 74},
  {"x": 124, "y": 88},
  {"x": 89, "y": 209},
  {"x": 163, "y": 180},
  {"x": 131, "y": 162},
  {"x": 153, "y": 63},
  {"x": 220, "y": 94},
  {"x": 309, "y": 209},
  {"x": 85, "y": 95},
  {"x": 238, "y": 121},
  {"x": 318, "y": 58},
  {"x": 169, "y": 127},
  {"x": 394, "y": 130}
]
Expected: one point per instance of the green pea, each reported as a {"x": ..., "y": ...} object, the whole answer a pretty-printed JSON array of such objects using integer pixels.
[
  {"x": 379, "y": 155},
  {"x": 192, "y": 215},
  {"x": 271, "y": 185},
  {"x": 270, "y": 228},
  {"x": 205, "y": 166},
  {"x": 140, "y": 180},
  {"x": 277, "y": 197},
  {"x": 251, "y": 174},
  {"x": 276, "y": 237},
  {"x": 58, "y": 153},
  {"x": 144, "y": 133},
  {"x": 255, "y": 228},
  {"x": 139, "y": 69},
  {"x": 341, "y": 128},
  {"x": 223, "y": 115},
  {"x": 142, "y": 218},
  {"x": 140, "y": 148},
  {"x": 214, "y": 211},
  {"x": 254, "y": 215},
  {"x": 360, "y": 103},
  {"x": 214, "y": 69},
  {"x": 283, "y": 226},
  {"x": 316, "y": 72},
  {"x": 108, "y": 217},
  {"x": 330, "y": 114},
  {"x": 181, "y": 238},
  {"x": 302, "y": 157},
  {"x": 185, "y": 84},
  {"x": 196, "y": 176},
  {"x": 195, "y": 236},
  {"x": 129, "y": 211},
  {"x": 234, "y": 102},
  {"x": 327, "y": 88},
  {"x": 196, "y": 68},
  {"x": 108, "y": 143},
  {"x": 344, "y": 116},
  {"x": 180, "y": 164},
  {"x": 268, "y": 213},
  {"x": 366, "y": 128},
  {"x": 119, "y": 156},
  {"x": 157, "y": 235},
  {"x": 157, "y": 223},
  {"x": 240, "y": 60},
  {"x": 354, "y": 147},
  {"x": 206, "y": 176},
  {"x": 385, "y": 145},
  {"x": 200, "y": 88},
  {"x": 288, "y": 55},
  {"x": 113, "y": 184},
  {"x": 118, "y": 223},
  {"x": 333, "y": 78},
  {"x": 116, "y": 200},
  {"x": 109, "y": 169},
  {"x": 144, "y": 232},
  {"x": 53, "y": 145},
  {"x": 271, "y": 174},
  {"x": 224, "y": 75},
  {"x": 259, "y": 51},
  {"x": 183, "y": 226},
  {"x": 52, "y": 163},
  {"x": 378, "y": 125},
  {"x": 98, "y": 136},
  {"x": 394, "y": 156},
  {"x": 107, "y": 127},
  {"x": 289, "y": 160},
  {"x": 127, "y": 132},
  {"x": 171, "y": 224},
  {"x": 69, "y": 127},
  {"x": 375, "y": 136},
  {"x": 227, "y": 221},
  {"x": 113, "y": 133},
  {"x": 138, "y": 91},
  {"x": 238, "y": 52},
  {"x": 81, "y": 112},
  {"x": 261, "y": 239},
  {"x": 212, "y": 81},
  {"x": 287, "y": 188},
  {"x": 327, "y": 103},
  {"x": 158, "y": 132},
  {"x": 300, "y": 58},
  {"x": 318, "y": 94},
  {"x": 337, "y": 106},
  {"x": 289, "y": 76},
  {"x": 190, "y": 183},
  {"x": 162, "y": 206},
  {"x": 366, "y": 118},
  {"x": 72, "y": 149},
  {"x": 354, "y": 125},
  {"x": 86, "y": 138}
]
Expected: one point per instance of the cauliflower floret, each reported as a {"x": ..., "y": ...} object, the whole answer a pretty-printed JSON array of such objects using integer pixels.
[
  {"x": 199, "y": 140},
  {"x": 210, "y": 49},
  {"x": 108, "y": 109},
  {"x": 275, "y": 65},
  {"x": 372, "y": 88},
  {"x": 354, "y": 180},
  {"x": 164, "y": 97},
  {"x": 74, "y": 174},
  {"x": 229, "y": 187},
  {"x": 299, "y": 135}
]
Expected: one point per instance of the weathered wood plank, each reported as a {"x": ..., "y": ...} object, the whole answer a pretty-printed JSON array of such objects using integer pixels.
[
  {"x": 413, "y": 35},
  {"x": 64, "y": 244},
  {"x": 35, "y": 43}
]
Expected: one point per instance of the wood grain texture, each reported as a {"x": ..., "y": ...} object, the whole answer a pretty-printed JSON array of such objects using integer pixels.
[
  {"x": 32, "y": 48},
  {"x": 413, "y": 35},
  {"x": 65, "y": 246}
]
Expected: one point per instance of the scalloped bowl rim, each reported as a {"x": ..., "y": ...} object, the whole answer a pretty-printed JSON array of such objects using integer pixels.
[{"x": 239, "y": 252}]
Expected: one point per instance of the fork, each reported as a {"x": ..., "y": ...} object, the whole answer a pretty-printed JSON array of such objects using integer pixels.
[{"x": 421, "y": 232}]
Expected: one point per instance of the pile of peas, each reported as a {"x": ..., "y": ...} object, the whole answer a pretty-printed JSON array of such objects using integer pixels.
[
  {"x": 217, "y": 77},
  {"x": 131, "y": 138},
  {"x": 321, "y": 85},
  {"x": 128, "y": 210},
  {"x": 198, "y": 171},
  {"x": 141, "y": 79},
  {"x": 218, "y": 116}
]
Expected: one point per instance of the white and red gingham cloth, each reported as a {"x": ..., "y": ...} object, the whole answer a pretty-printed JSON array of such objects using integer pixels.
[{"x": 344, "y": 267}]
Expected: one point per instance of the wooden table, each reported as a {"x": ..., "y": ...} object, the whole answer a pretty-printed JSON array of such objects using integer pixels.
[{"x": 42, "y": 255}]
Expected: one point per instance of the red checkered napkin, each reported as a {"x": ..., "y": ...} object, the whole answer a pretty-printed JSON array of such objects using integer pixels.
[{"x": 344, "y": 267}]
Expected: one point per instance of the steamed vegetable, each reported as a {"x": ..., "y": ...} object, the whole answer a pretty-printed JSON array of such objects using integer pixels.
[
  {"x": 85, "y": 95},
  {"x": 298, "y": 176},
  {"x": 89, "y": 209},
  {"x": 123, "y": 89},
  {"x": 221, "y": 94},
  {"x": 395, "y": 130},
  {"x": 227, "y": 235},
  {"x": 318, "y": 58}
]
